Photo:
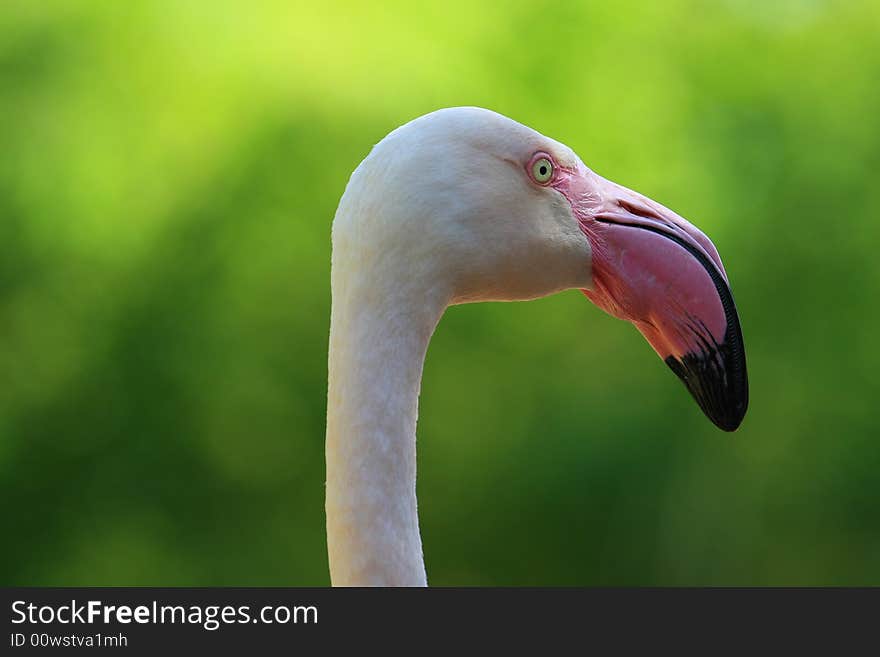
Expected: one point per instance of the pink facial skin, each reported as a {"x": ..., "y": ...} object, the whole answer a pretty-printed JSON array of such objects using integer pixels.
[{"x": 653, "y": 268}]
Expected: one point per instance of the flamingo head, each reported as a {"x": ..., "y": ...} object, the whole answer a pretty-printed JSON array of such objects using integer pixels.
[{"x": 488, "y": 209}]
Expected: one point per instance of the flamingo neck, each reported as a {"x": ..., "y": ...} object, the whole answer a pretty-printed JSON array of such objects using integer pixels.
[{"x": 379, "y": 334}]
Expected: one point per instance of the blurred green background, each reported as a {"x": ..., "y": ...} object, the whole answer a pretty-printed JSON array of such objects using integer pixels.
[{"x": 168, "y": 175}]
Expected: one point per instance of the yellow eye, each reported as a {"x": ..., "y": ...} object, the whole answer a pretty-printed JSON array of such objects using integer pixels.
[{"x": 542, "y": 170}]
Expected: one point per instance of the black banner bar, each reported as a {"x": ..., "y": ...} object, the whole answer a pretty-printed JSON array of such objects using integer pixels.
[{"x": 270, "y": 620}]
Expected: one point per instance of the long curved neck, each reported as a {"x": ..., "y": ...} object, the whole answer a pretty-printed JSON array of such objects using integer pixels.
[{"x": 380, "y": 327}]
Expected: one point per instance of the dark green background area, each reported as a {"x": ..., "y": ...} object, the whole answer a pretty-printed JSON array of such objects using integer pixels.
[{"x": 168, "y": 175}]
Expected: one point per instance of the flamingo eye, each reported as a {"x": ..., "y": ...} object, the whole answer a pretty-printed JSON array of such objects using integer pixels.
[{"x": 542, "y": 170}]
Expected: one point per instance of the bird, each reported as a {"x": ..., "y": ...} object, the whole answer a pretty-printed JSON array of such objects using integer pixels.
[{"x": 466, "y": 205}]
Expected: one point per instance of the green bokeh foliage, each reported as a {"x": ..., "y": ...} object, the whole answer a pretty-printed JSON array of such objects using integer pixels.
[{"x": 168, "y": 174}]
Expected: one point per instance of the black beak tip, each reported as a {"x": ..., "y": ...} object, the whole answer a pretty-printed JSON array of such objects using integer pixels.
[
  {"x": 729, "y": 421},
  {"x": 718, "y": 382}
]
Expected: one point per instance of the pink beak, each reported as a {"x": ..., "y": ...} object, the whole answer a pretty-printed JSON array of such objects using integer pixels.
[{"x": 653, "y": 268}]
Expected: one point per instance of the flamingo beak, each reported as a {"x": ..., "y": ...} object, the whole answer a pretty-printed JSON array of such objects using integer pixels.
[{"x": 653, "y": 268}]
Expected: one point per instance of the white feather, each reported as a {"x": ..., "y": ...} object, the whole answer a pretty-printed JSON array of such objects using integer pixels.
[{"x": 440, "y": 212}]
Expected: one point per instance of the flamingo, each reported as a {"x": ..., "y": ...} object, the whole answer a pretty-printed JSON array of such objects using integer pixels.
[{"x": 464, "y": 205}]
